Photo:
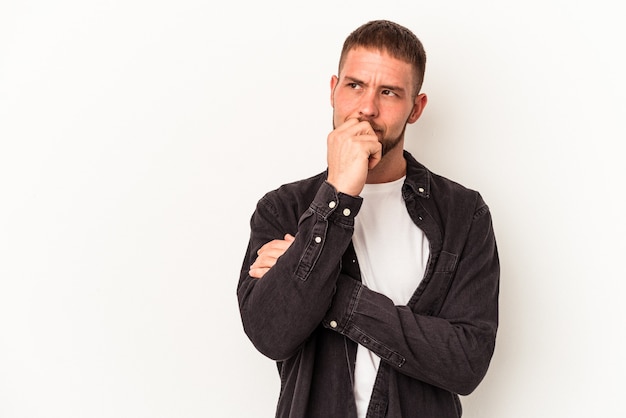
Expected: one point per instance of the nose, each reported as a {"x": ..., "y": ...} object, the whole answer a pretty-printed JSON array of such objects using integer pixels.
[{"x": 368, "y": 106}]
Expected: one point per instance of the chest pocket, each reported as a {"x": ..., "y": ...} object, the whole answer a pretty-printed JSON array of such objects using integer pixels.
[{"x": 435, "y": 289}]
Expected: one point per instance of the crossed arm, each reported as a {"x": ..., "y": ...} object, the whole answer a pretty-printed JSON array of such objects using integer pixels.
[
  {"x": 292, "y": 284},
  {"x": 450, "y": 349}
]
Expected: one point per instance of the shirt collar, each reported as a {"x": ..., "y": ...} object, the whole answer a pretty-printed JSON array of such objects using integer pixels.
[{"x": 417, "y": 177}]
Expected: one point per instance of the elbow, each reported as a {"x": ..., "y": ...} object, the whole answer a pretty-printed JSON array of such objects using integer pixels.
[
  {"x": 276, "y": 352},
  {"x": 473, "y": 357},
  {"x": 465, "y": 380},
  {"x": 261, "y": 326},
  {"x": 271, "y": 336},
  {"x": 472, "y": 373},
  {"x": 467, "y": 385},
  {"x": 468, "y": 363},
  {"x": 270, "y": 342}
]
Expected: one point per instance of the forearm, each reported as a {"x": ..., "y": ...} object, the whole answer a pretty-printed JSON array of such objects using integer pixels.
[
  {"x": 447, "y": 337},
  {"x": 451, "y": 354},
  {"x": 280, "y": 310}
]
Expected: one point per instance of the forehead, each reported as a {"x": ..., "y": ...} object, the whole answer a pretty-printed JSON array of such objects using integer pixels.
[{"x": 365, "y": 63}]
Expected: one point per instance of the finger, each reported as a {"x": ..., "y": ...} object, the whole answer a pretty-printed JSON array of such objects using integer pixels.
[
  {"x": 257, "y": 273},
  {"x": 355, "y": 127},
  {"x": 269, "y": 253},
  {"x": 274, "y": 251},
  {"x": 270, "y": 246},
  {"x": 347, "y": 124},
  {"x": 277, "y": 244},
  {"x": 365, "y": 128},
  {"x": 266, "y": 259},
  {"x": 374, "y": 158},
  {"x": 261, "y": 265}
]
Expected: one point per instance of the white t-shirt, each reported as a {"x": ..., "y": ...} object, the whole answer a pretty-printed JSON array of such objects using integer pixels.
[{"x": 392, "y": 253}]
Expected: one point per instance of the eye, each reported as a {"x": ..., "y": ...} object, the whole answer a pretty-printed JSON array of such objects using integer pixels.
[
  {"x": 354, "y": 86},
  {"x": 388, "y": 93}
]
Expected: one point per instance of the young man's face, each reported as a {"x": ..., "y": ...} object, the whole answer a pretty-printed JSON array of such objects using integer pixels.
[{"x": 378, "y": 88}]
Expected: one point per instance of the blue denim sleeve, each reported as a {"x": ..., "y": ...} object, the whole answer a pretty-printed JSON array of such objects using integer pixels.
[
  {"x": 450, "y": 348},
  {"x": 281, "y": 310}
]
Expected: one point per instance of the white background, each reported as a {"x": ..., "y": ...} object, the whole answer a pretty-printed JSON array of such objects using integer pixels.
[{"x": 137, "y": 136}]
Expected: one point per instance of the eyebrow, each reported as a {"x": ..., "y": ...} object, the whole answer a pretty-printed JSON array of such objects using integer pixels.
[{"x": 384, "y": 87}]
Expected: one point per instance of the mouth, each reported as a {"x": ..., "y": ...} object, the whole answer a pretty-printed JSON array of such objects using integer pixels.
[
  {"x": 377, "y": 129},
  {"x": 379, "y": 133}
]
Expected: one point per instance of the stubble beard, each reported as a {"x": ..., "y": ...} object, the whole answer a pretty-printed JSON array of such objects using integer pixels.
[
  {"x": 386, "y": 143},
  {"x": 389, "y": 144}
]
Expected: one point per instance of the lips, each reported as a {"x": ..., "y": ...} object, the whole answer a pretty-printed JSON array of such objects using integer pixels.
[{"x": 377, "y": 129}]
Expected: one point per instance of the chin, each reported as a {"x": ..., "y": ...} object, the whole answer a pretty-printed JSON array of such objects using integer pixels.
[{"x": 389, "y": 145}]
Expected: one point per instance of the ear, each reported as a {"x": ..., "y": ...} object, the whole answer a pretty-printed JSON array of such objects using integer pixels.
[
  {"x": 418, "y": 107},
  {"x": 333, "y": 84}
]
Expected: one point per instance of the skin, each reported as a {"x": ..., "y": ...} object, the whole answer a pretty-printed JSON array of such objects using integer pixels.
[
  {"x": 373, "y": 101},
  {"x": 268, "y": 254}
]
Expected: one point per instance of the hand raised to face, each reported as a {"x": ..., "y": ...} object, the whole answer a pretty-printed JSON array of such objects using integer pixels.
[{"x": 353, "y": 150}]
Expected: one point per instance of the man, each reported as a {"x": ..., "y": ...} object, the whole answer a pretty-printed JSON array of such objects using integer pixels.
[{"x": 374, "y": 285}]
